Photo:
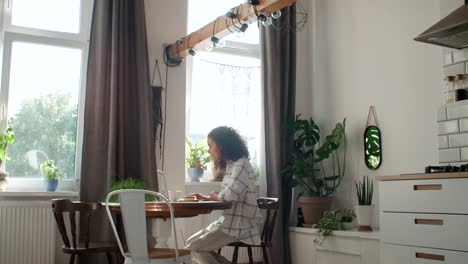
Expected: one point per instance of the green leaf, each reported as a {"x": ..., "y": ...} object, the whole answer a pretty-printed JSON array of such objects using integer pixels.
[
  {"x": 50, "y": 170},
  {"x": 6, "y": 138},
  {"x": 303, "y": 168},
  {"x": 197, "y": 154},
  {"x": 129, "y": 183},
  {"x": 332, "y": 141}
]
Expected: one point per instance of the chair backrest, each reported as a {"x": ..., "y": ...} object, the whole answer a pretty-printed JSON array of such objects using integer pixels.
[
  {"x": 271, "y": 206},
  {"x": 61, "y": 206},
  {"x": 132, "y": 206}
]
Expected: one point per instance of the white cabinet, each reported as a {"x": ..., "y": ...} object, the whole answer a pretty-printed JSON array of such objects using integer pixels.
[
  {"x": 348, "y": 247},
  {"x": 423, "y": 218},
  {"x": 392, "y": 254}
]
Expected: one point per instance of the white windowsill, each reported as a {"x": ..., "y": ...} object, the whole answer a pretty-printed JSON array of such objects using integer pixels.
[
  {"x": 204, "y": 183},
  {"x": 66, "y": 194},
  {"x": 34, "y": 187}
]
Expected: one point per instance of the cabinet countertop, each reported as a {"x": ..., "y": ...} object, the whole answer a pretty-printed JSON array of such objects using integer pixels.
[
  {"x": 424, "y": 176},
  {"x": 375, "y": 234}
]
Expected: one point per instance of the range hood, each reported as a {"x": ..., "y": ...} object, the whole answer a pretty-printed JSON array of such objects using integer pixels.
[{"x": 451, "y": 31}]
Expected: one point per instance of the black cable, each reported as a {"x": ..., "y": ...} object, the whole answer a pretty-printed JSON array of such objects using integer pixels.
[
  {"x": 242, "y": 28},
  {"x": 214, "y": 39},
  {"x": 177, "y": 48},
  {"x": 190, "y": 50},
  {"x": 260, "y": 17},
  {"x": 165, "y": 119},
  {"x": 228, "y": 25},
  {"x": 234, "y": 23},
  {"x": 214, "y": 26}
]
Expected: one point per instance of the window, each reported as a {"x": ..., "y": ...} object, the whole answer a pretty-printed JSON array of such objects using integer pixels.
[
  {"x": 45, "y": 49},
  {"x": 224, "y": 83}
]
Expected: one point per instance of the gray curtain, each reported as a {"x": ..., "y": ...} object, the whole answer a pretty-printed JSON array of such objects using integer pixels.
[
  {"x": 279, "y": 92},
  {"x": 118, "y": 138}
]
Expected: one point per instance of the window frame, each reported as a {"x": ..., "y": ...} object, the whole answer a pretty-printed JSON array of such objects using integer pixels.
[
  {"x": 231, "y": 48},
  {"x": 10, "y": 34}
]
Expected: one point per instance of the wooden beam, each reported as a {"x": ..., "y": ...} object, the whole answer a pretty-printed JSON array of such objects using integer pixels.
[{"x": 221, "y": 27}]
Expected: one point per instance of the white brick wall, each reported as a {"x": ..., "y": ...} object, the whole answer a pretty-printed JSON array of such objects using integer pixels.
[
  {"x": 452, "y": 120},
  {"x": 449, "y": 127}
]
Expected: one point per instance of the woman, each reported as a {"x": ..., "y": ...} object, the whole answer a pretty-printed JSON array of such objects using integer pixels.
[{"x": 241, "y": 222}]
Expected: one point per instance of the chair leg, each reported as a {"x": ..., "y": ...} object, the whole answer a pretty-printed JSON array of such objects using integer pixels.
[
  {"x": 109, "y": 257},
  {"x": 249, "y": 251},
  {"x": 234, "y": 255},
  {"x": 72, "y": 259},
  {"x": 219, "y": 251},
  {"x": 118, "y": 257},
  {"x": 266, "y": 255}
]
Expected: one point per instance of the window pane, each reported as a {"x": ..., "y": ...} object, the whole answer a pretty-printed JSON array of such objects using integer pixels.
[
  {"x": 54, "y": 15},
  {"x": 42, "y": 107},
  {"x": 226, "y": 95}
]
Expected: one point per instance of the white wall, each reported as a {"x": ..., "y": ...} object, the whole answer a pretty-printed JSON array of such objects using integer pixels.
[
  {"x": 303, "y": 64},
  {"x": 166, "y": 22},
  {"x": 363, "y": 54}
]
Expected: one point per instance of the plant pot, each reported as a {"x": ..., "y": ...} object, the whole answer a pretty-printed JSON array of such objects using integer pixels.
[
  {"x": 313, "y": 208},
  {"x": 50, "y": 185},
  {"x": 364, "y": 216},
  {"x": 195, "y": 174},
  {"x": 3, "y": 180}
]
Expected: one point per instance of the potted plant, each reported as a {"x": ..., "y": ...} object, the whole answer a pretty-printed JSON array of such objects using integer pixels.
[
  {"x": 364, "y": 191},
  {"x": 6, "y": 138},
  {"x": 305, "y": 168},
  {"x": 52, "y": 174},
  {"x": 335, "y": 219},
  {"x": 197, "y": 158},
  {"x": 129, "y": 183}
]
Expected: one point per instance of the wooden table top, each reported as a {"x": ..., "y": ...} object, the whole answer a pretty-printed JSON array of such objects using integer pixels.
[{"x": 181, "y": 209}]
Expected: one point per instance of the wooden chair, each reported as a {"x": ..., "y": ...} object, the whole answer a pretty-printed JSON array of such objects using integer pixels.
[
  {"x": 80, "y": 245},
  {"x": 271, "y": 206},
  {"x": 132, "y": 207}
]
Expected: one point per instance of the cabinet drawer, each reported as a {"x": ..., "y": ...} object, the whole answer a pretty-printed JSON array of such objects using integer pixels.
[
  {"x": 425, "y": 196},
  {"x": 395, "y": 254},
  {"x": 425, "y": 230}
]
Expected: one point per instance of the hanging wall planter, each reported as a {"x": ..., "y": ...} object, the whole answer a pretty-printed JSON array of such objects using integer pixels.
[{"x": 372, "y": 142}]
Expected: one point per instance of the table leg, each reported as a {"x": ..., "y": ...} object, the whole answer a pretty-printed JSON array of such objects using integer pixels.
[{"x": 161, "y": 231}]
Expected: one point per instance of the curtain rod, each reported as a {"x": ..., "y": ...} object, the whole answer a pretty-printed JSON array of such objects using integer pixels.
[{"x": 221, "y": 27}]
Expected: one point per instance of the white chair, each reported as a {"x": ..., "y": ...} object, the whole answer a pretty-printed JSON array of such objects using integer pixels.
[{"x": 132, "y": 205}]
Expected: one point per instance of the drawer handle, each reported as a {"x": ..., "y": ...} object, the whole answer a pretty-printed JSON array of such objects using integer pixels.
[
  {"x": 429, "y": 222},
  {"x": 430, "y": 256},
  {"x": 427, "y": 187}
]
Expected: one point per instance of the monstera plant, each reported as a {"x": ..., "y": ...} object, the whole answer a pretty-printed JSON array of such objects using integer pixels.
[{"x": 316, "y": 170}]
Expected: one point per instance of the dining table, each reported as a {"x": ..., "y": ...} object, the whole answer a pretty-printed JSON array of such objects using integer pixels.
[{"x": 158, "y": 212}]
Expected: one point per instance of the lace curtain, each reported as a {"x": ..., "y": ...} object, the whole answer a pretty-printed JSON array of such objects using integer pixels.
[{"x": 227, "y": 95}]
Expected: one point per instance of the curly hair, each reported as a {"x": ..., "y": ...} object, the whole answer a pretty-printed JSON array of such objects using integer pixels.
[{"x": 231, "y": 145}]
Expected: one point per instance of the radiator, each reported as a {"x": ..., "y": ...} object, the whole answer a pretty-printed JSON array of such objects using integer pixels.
[{"x": 27, "y": 232}]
